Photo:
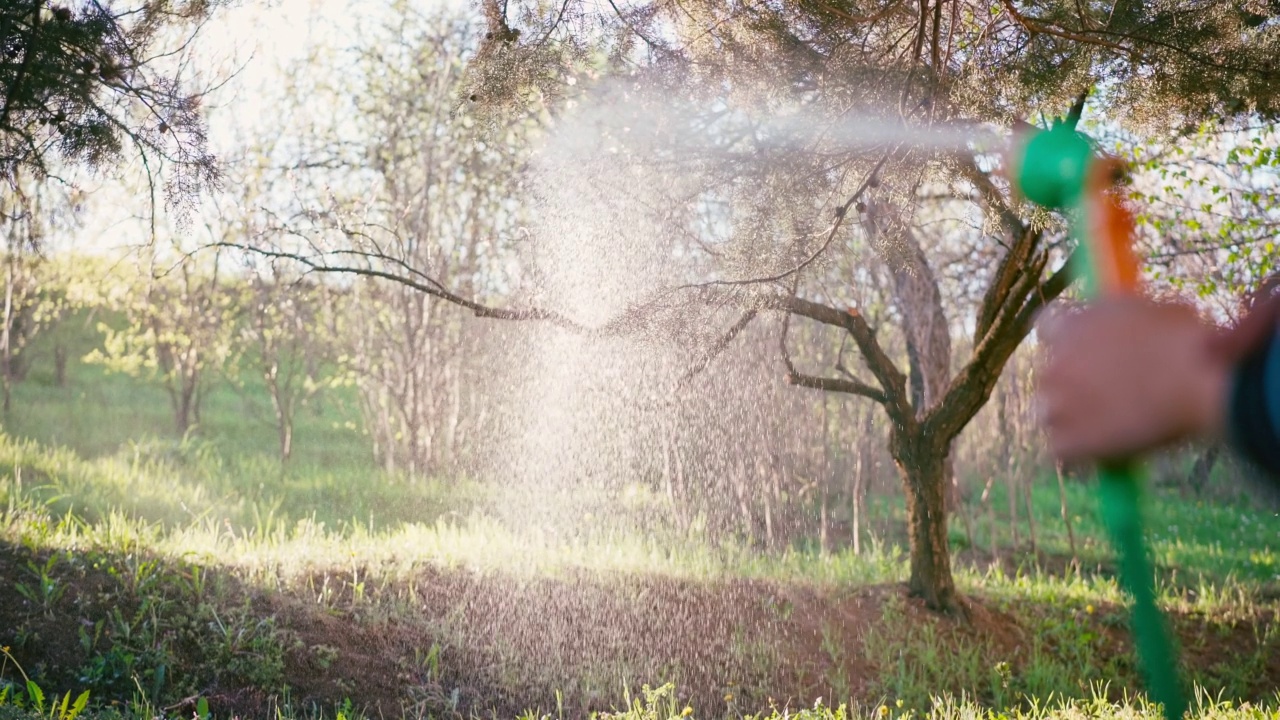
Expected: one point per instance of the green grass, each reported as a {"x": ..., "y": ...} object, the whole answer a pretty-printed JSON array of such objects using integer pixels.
[
  {"x": 660, "y": 704},
  {"x": 99, "y": 413},
  {"x": 1191, "y": 540},
  {"x": 106, "y": 442}
]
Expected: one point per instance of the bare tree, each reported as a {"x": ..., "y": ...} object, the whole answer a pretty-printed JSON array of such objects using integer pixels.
[
  {"x": 179, "y": 329},
  {"x": 290, "y": 325},
  {"x": 35, "y": 288},
  {"x": 401, "y": 186}
]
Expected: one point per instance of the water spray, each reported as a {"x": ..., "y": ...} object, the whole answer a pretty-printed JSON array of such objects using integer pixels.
[{"x": 1059, "y": 169}]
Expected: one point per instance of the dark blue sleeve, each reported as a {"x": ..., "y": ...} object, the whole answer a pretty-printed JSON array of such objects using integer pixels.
[{"x": 1255, "y": 406}]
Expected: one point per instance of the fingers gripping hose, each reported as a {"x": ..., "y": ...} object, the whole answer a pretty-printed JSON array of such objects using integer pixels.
[{"x": 1058, "y": 168}]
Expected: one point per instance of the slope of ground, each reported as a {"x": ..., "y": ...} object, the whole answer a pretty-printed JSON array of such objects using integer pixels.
[{"x": 458, "y": 640}]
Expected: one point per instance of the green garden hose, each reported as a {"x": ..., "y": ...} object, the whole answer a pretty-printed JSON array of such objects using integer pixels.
[{"x": 1058, "y": 168}]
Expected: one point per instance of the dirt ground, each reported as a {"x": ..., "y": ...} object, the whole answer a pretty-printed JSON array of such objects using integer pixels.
[{"x": 466, "y": 642}]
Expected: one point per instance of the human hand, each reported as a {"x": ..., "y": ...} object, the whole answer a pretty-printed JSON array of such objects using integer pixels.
[{"x": 1126, "y": 375}]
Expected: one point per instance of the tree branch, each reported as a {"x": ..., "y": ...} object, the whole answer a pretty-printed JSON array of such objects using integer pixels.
[
  {"x": 888, "y": 10},
  {"x": 841, "y": 213},
  {"x": 839, "y": 385},
  {"x": 28, "y": 53},
  {"x": 892, "y": 392},
  {"x": 479, "y": 309},
  {"x": 1047, "y": 292},
  {"x": 892, "y": 381},
  {"x": 851, "y": 387},
  {"x": 1025, "y": 242},
  {"x": 1031, "y": 25},
  {"x": 719, "y": 347},
  {"x": 972, "y": 386}
]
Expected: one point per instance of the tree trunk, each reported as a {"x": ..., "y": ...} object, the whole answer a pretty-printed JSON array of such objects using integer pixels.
[
  {"x": 768, "y": 518},
  {"x": 682, "y": 491},
  {"x": 923, "y": 472},
  {"x": 746, "y": 518},
  {"x": 857, "y": 492},
  {"x": 6, "y": 339},
  {"x": 856, "y": 501},
  {"x": 1200, "y": 471},
  {"x": 1009, "y": 461},
  {"x": 668, "y": 472},
  {"x": 861, "y": 459},
  {"x": 182, "y": 411},
  {"x": 286, "y": 439},
  {"x": 1066, "y": 516},
  {"x": 1031, "y": 517},
  {"x": 60, "y": 364},
  {"x": 184, "y": 391},
  {"x": 956, "y": 501},
  {"x": 283, "y": 406},
  {"x": 824, "y": 540}
]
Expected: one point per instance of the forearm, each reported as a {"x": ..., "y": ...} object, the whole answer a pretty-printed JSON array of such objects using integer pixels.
[{"x": 1254, "y": 416}]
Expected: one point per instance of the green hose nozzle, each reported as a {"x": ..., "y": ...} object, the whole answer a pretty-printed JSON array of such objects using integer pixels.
[{"x": 1054, "y": 166}]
